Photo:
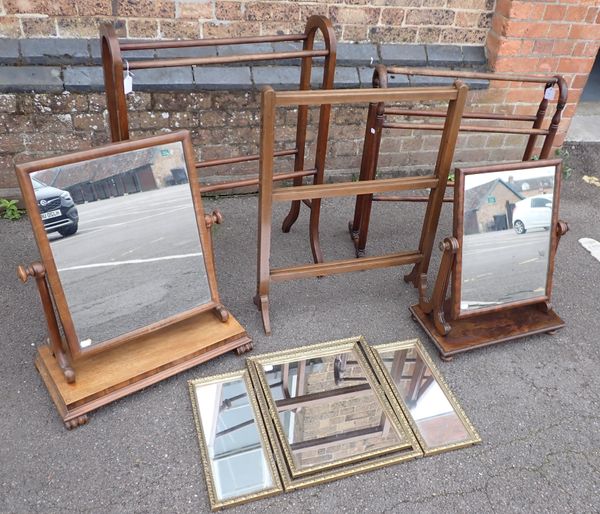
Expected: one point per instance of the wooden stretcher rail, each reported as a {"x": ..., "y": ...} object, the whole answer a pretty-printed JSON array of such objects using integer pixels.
[
  {"x": 354, "y": 188},
  {"x": 254, "y": 181},
  {"x": 345, "y": 266},
  {"x": 467, "y": 128},
  {"x": 349, "y": 96},
  {"x": 187, "y": 43},
  {"x": 242, "y": 158},
  {"x": 505, "y": 77},
  {"x": 407, "y": 198},
  {"x": 466, "y": 115},
  {"x": 225, "y": 59}
]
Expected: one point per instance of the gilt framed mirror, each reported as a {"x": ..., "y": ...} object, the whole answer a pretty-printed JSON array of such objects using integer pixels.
[
  {"x": 127, "y": 278},
  {"x": 119, "y": 234},
  {"x": 421, "y": 393},
  {"x": 238, "y": 463},
  {"x": 504, "y": 216},
  {"x": 327, "y": 407}
]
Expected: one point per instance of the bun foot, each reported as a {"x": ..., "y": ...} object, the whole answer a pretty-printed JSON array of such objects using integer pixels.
[
  {"x": 221, "y": 313},
  {"x": 245, "y": 348},
  {"x": 76, "y": 422},
  {"x": 447, "y": 358},
  {"x": 552, "y": 332}
]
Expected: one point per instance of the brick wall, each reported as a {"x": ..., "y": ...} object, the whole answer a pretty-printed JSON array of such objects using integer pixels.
[
  {"x": 559, "y": 36},
  {"x": 424, "y": 21}
]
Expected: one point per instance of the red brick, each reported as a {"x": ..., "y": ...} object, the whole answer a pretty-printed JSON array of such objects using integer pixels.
[
  {"x": 584, "y": 32},
  {"x": 543, "y": 46},
  {"x": 579, "y": 81},
  {"x": 526, "y": 29},
  {"x": 564, "y": 47},
  {"x": 548, "y": 64},
  {"x": 526, "y": 10},
  {"x": 576, "y": 13},
  {"x": 555, "y": 12},
  {"x": 575, "y": 65}
]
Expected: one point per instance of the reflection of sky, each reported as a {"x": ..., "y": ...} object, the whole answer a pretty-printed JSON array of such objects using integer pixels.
[
  {"x": 433, "y": 402},
  {"x": 476, "y": 179},
  {"x": 237, "y": 458}
]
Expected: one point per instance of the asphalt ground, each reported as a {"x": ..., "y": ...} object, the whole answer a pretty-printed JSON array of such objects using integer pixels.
[{"x": 535, "y": 401}]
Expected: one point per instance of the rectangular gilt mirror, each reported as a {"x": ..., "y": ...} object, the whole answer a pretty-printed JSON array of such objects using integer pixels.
[
  {"x": 413, "y": 380},
  {"x": 505, "y": 219},
  {"x": 238, "y": 463},
  {"x": 327, "y": 407},
  {"x": 119, "y": 236}
]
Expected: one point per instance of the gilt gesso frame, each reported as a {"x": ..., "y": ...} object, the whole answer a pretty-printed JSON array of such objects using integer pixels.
[
  {"x": 24, "y": 171},
  {"x": 262, "y": 432},
  {"x": 323, "y": 350},
  {"x": 458, "y": 231},
  {"x": 397, "y": 401}
]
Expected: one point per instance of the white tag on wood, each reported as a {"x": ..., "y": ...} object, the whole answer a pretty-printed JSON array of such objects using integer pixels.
[
  {"x": 128, "y": 83},
  {"x": 549, "y": 93}
]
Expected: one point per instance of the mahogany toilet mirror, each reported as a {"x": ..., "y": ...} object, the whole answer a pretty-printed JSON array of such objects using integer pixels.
[{"x": 127, "y": 268}]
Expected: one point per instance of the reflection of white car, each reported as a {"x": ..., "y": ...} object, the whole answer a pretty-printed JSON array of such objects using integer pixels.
[{"x": 533, "y": 212}]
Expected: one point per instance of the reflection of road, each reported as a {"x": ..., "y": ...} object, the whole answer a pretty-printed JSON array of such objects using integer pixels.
[
  {"x": 504, "y": 266},
  {"x": 135, "y": 259}
]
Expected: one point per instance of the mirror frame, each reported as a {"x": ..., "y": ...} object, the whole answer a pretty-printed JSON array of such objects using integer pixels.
[
  {"x": 277, "y": 488},
  {"x": 322, "y": 350},
  {"x": 24, "y": 171},
  {"x": 392, "y": 391},
  {"x": 458, "y": 232}
]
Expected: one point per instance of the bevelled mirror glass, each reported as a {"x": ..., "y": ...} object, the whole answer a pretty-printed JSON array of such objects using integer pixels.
[
  {"x": 505, "y": 232},
  {"x": 327, "y": 407},
  {"x": 433, "y": 412},
  {"x": 118, "y": 232},
  {"x": 238, "y": 464}
]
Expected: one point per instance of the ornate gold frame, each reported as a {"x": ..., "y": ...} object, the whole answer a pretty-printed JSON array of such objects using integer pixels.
[
  {"x": 389, "y": 387},
  {"x": 401, "y": 427},
  {"x": 215, "y": 503}
]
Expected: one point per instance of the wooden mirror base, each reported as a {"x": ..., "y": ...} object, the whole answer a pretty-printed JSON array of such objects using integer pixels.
[
  {"x": 486, "y": 329},
  {"x": 119, "y": 371}
]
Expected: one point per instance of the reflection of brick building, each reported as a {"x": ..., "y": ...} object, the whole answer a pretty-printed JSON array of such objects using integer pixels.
[
  {"x": 489, "y": 206},
  {"x": 328, "y": 427}
]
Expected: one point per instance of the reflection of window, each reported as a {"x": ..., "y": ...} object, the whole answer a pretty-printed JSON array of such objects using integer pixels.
[{"x": 541, "y": 202}]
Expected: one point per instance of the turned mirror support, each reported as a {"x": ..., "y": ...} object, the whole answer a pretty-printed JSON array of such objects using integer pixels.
[
  {"x": 216, "y": 218},
  {"x": 37, "y": 271}
]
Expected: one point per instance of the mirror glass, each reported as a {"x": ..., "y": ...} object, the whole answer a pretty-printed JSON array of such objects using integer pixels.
[
  {"x": 328, "y": 411},
  {"x": 231, "y": 439},
  {"x": 123, "y": 233},
  {"x": 433, "y": 415},
  {"x": 506, "y": 236}
]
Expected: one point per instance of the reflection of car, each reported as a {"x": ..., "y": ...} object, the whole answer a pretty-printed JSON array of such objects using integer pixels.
[
  {"x": 533, "y": 212},
  {"x": 57, "y": 208}
]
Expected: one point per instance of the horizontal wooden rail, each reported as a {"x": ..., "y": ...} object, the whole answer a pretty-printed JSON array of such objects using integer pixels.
[
  {"x": 345, "y": 96},
  {"x": 353, "y": 188},
  {"x": 345, "y": 266},
  {"x": 466, "y": 128},
  {"x": 225, "y": 59},
  {"x": 466, "y": 115},
  {"x": 241, "y": 158},
  {"x": 506, "y": 77},
  {"x": 407, "y": 198},
  {"x": 254, "y": 181},
  {"x": 187, "y": 43}
]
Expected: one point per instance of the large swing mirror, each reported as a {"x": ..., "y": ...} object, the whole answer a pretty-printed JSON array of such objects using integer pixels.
[
  {"x": 505, "y": 223},
  {"x": 118, "y": 231}
]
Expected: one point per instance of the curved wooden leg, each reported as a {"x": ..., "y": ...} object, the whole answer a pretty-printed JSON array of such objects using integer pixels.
[
  {"x": 221, "y": 313},
  {"x": 262, "y": 302},
  {"x": 315, "y": 242},
  {"x": 413, "y": 276},
  {"x": 76, "y": 422},
  {"x": 291, "y": 217},
  {"x": 245, "y": 348}
]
